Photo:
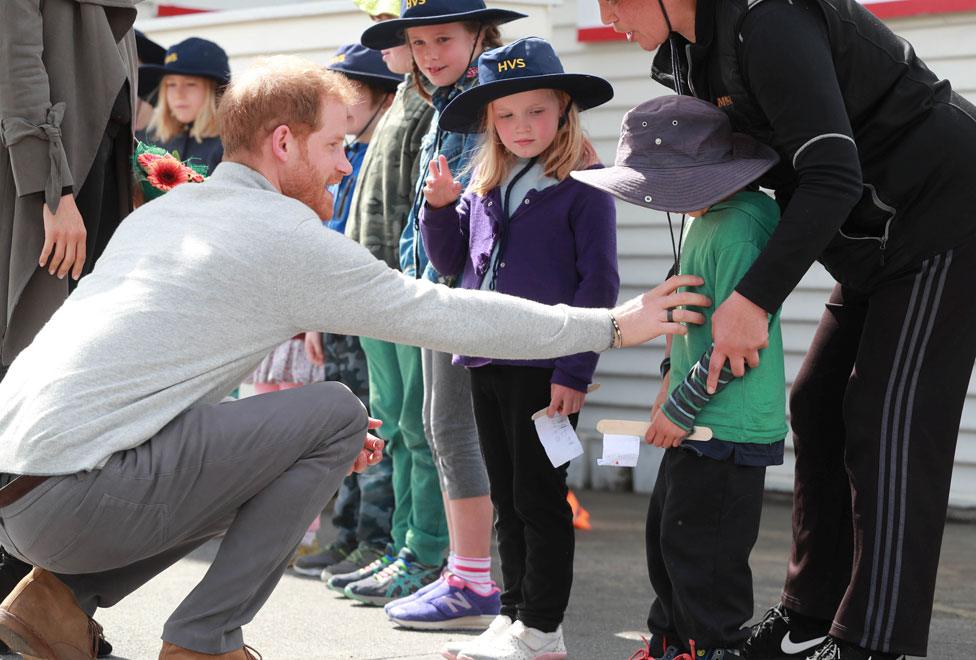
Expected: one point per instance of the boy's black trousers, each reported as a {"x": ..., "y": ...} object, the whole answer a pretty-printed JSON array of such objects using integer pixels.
[
  {"x": 875, "y": 412},
  {"x": 702, "y": 523},
  {"x": 536, "y": 539}
]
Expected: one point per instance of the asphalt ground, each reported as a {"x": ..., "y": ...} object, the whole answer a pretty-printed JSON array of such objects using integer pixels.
[{"x": 611, "y": 594}]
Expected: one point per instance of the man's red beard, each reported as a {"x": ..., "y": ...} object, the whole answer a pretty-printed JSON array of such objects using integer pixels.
[{"x": 304, "y": 185}]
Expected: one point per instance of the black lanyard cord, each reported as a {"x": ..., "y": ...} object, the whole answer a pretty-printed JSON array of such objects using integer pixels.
[
  {"x": 675, "y": 69},
  {"x": 506, "y": 220},
  {"x": 676, "y": 244}
]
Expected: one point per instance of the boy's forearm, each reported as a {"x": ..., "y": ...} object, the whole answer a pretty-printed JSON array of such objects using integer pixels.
[{"x": 690, "y": 397}]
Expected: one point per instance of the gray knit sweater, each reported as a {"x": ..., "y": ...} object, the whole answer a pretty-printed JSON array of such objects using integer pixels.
[{"x": 197, "y": 287}]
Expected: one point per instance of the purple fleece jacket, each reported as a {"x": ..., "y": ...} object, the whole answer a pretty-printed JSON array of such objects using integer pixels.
[{"x": 561, "y": 248}]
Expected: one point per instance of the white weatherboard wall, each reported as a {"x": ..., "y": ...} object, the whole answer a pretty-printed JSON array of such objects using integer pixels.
[{"x": 628, "y": 378}]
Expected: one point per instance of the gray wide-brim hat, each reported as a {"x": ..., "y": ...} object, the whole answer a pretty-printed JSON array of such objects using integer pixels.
[{"x": 679, "y": 154}]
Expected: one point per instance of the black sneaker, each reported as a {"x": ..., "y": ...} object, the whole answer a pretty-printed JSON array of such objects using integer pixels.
[
  {"x": 781, "y": 635},
  {"x": 834, "y": 649},
  {"x": 359, "y": 558},
  {"x": 313, "y": 565},
  {"x": 340, "y": 581}
]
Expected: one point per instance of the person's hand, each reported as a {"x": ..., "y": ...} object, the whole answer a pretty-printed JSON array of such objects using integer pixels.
[
  {"x": 740, "y": 328},
  {"x": 313, "y": 348},
  {"x": 662, "y": 395},
  {"x": 441, "y": 189},
  {"x": 372, "y": 451},
  {"x": 663, "y": 432},
  {"x": 645, "y": 317},
  {"x": 564, "y": 400},
  {"x": 64, "y": 248}
]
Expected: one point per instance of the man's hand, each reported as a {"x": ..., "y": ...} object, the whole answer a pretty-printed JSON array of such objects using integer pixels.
[
  {"x": 663, "y": 432},
  {"x": 441, "y": 189},
  {"x": 564, "y": 400},
  {"x": 313, "y": 348},
  {"x": 64, "y": 248},
  {"x": 740, "y": 328},
  {"x": 645, "y": 317},
  {"x": 372, "y": 451}
]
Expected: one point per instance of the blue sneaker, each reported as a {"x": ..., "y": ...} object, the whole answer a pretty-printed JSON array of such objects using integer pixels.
[
  {"x": 400, "y": 579},
  {"x": 406, "y": 599},
  {"x": 452, "y": 605}
]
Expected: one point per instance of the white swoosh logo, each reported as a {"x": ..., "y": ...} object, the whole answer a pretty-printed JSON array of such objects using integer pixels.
[{"x": 790, "y": 647}]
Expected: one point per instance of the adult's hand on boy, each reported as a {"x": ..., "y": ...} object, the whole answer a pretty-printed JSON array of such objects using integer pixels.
[
  {"x": 313, "y": 348},
  {"x": 740, "y": 329},
  {"x": 664, "y": 433},
  {"x": 564, "y": 400},
  {"x": 645, "y": 317},
  {"x": 372, "y": 451},
  {"x": 441, "y": 189}
]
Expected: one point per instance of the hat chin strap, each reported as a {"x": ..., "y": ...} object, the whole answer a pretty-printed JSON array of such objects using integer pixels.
[
  {"x": 474, "y": 49},
  {"x": 678, "y": 87},
  {"x": 366, "y": 127}
]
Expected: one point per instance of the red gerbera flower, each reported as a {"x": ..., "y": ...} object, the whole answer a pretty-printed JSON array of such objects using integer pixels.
[{"x": 165, "y": 173}]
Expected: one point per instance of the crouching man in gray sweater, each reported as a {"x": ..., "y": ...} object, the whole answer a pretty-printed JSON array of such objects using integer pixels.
[{"x": 116, "y": 457}]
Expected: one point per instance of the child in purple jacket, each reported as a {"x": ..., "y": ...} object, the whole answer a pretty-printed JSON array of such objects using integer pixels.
[{"x": 525, "y": 228}]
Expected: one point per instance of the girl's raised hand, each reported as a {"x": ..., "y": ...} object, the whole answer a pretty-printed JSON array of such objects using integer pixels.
[{"x": 441, "y": 189}]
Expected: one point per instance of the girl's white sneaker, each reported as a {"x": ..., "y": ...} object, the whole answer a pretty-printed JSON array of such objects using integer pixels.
[
  {"x": 518, "y": 643},
  {"x": 496, "y": 629}
]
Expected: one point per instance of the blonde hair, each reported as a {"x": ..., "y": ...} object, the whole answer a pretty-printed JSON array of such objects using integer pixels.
[
  {"x": 164, "y": 126},
  {"x": 279, "y": 90},
  {"x": 491, "y": 37},
  {"x": 570, "y": 150}
]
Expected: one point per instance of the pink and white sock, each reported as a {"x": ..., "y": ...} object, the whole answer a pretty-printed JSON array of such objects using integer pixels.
[{"x": 476, "y": 571}]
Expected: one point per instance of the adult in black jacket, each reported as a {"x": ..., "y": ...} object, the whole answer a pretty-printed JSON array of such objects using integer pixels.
[{"x": 876, "y": 181}]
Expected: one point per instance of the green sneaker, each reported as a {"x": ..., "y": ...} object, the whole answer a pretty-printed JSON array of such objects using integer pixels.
[
  {"x": 379, "y": 562},
  {"x": 330, "y": 555},
  {"x": 400, "y": 579}
]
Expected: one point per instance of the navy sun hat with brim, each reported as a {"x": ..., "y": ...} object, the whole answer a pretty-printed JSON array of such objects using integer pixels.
[
  {"x": 679, "y": 154},
  {"x": 364, "y": 65},
  {"x": 415, "y": 13},
  {"x": 191, "y": 57},
  {"x": 521, "y": 66}
]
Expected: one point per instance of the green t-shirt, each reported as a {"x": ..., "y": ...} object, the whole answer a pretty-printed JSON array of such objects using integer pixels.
[{"x": 720, "y": 247}]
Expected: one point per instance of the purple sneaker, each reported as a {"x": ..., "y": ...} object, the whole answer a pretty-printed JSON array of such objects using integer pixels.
[
  {"x": 399, "y": 602},
  {"x": 453, "y": 605}
]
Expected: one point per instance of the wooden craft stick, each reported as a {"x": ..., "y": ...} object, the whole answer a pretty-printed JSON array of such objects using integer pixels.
[{"x": 631, "y": 427}]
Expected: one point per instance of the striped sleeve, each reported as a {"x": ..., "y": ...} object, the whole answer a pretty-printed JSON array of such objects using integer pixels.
[{"x": 689, "y": 398}]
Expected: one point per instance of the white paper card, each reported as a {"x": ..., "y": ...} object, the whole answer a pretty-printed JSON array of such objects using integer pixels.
[
  {"x": 620, "y": 450},
  {"x": 558, "y": 438}
]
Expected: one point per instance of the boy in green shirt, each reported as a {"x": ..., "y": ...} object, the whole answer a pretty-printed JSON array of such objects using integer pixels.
[{"x": 678, "y": 154}]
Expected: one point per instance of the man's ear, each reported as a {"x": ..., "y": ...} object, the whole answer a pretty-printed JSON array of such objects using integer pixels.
[{"x": 282, "y": 143}]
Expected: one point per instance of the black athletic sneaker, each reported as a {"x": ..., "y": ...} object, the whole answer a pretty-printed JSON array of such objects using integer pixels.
[
  {"x": 833, "y": 649},
  {"x": 784, "y": 635},
  {"x": 330, "y": 555}
]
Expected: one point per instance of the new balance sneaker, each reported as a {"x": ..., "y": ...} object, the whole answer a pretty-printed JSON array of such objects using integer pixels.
[
  {"x": 496, "y": 630},
  {"x": 361, "y": 557},
  {"x": 401, "y": 578},
  {"x": 417, "y": 594},
  {"x": 338, "y": 583},
  {"x": 834, "y": 649},
  {"x": 519, "y": 642},
  {"x": 657, "y": 648},
  {"x": 783, "y": 635},
  {"x": 313, "y": 565},
  {"x": 453, "y": 605}
]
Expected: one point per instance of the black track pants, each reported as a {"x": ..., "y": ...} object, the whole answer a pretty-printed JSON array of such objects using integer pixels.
[{"x": 875, "y": 413}]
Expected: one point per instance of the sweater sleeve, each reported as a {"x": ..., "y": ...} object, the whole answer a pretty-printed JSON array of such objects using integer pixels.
[
  {"x": 30, "y": 125},
  {"x": 329, "y": 283},
  {"x": 594, "y": 224},
  {"x": 445, "y": 233},
  {"x": 785, "y": 47}
]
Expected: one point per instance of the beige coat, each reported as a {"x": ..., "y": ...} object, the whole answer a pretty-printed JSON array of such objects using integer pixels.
[{"x": 62, "y": 64}]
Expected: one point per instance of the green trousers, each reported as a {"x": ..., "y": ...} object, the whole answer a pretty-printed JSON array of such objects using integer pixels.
[{"x": 396, "y": 394}]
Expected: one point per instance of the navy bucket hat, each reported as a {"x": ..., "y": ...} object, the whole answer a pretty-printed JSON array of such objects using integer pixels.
[
  {"x": 364, "y": 65},
  {"x": 191, "y": 57},
  {"x": 415, "y": 13},
  {"x": 678, "y": 153},
  {"x": 523, "y": 65}
]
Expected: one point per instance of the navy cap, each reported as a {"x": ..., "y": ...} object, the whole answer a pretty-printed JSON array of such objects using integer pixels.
[
  {"x": 414, "y": 13},
  {"x": 365, "y": 65},
  {"x": 523, "y": 65},
  {"x": 191, "y": 57}
]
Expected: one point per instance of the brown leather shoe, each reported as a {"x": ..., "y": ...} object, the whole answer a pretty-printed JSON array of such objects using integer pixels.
[
  {"x": 41, "y": 620},
  {"x": 174, "y": 652}
]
